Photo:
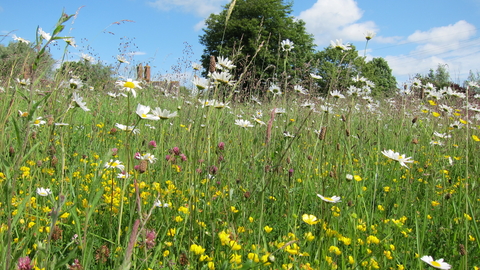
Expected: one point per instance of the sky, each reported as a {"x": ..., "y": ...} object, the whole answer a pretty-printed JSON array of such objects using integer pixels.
[{"x": 413, "y": 36}]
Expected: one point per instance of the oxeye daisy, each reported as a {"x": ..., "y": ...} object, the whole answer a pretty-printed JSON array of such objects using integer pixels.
[
  {"x": 79, "y": 101},
  {"x": 333, "y": 199},
  {"x": 396, "y": 156},
  {"x": 164, "y": 114},
  {"x": 143, "y": 112},
  {"x": 43, "y": 191},
  {"x": 243, "y": 123},
  {"x": 287, "y": 45},
  {"x": 440, "y": 264},
  {"x": 129, "y": 86}
]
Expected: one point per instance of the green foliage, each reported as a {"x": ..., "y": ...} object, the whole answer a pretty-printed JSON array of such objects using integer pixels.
[
  {"x": 337, "y": 68},
  {"x": 17, "y": 58},
  {"x": 378, "y": 71},
  {"x": 97, "y": 75},
  {"x": 253, "y": 36},
  {"x": 439, "y": 78}
]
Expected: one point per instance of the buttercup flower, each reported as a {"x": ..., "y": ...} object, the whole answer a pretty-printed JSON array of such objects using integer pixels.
[
  {"x": 310, "y": 219},
  {"x": 43, "y": 191},
  {"x": 333, "y": 199},
  {"x": 396, "y": 156},
  {"x": 440, "y": 264}
]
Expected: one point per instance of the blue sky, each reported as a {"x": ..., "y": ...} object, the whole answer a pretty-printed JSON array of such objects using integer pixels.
[{"x": 413, "y": 36}]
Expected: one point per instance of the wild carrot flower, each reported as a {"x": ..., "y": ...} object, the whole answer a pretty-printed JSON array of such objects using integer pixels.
[
  {"x": 397, "y": 157},
  {"x": 333, "y": 199},
  {"x": 440, "y": 264}
]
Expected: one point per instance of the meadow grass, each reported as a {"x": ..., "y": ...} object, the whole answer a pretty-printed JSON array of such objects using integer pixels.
[{"x": 198, "y": 191}]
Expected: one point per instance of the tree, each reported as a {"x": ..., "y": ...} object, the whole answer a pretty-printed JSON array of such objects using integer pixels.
[
  {"x": 337, "y": 68},
  {"x": 17, "y": 58},
  {"x": 378, "y": 71},
  {"x": 96, "y": 75},
  {"x": 252, "y": 37},
  {"x": 440, "y": 78}
]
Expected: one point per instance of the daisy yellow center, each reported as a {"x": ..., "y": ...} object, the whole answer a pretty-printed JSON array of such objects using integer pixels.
[
  {"x": 129, "y": 85},
  {"x": 114, "y": 164},
  {"x": 37, "y": 122},
  {"x": 436, "y": 264},
  {"x": 144, "y": 115},
  {"x": 328, "y": 199}
]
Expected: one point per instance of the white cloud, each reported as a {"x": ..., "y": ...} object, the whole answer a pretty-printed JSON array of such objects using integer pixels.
[
  {"x": 329, "y": 20},
  {"x": 201, "y": 8},
  {"x": 457, "y": 32},
  {"x": 450, "y": 45}
]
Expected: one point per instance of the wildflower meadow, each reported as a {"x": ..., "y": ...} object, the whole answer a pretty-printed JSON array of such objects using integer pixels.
[{"x": 132, "y": 176}]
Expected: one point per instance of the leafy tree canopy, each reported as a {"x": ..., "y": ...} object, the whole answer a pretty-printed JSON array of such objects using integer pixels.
[
  {"x": 96, "y": 75},
  {"x": 17, "y": 58},
  {"x": 254, "y": 32}
]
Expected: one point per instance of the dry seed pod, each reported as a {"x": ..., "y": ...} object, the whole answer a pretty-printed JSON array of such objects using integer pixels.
[
  {"x": 213, "y": 64},
  {"x": 323, "y": 131},
  {"x": 347, "y": 132},
  {"x": 142, "y": 167},
  {"x": 415, "y": 141},
  {"x": 414, "y": 120}
]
